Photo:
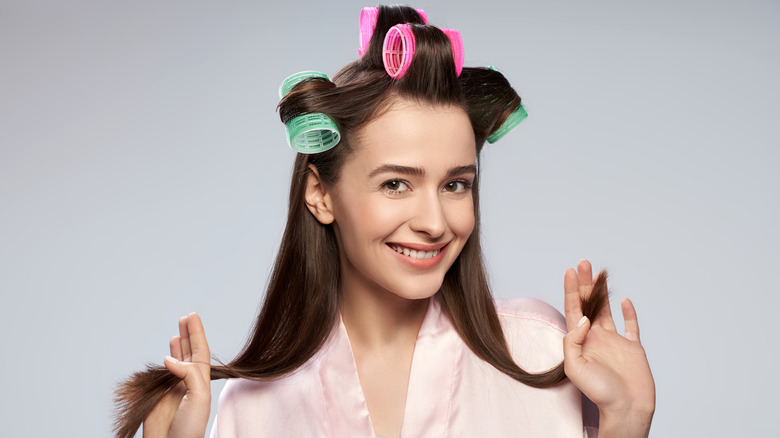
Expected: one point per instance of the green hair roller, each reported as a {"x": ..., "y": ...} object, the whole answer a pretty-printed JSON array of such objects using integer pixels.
[
  {"x": 509, "y": 124},
  {"x": 312, "y": 133},
  {"x": 293, "y": 80},
  {"x": 309, "y": 133}
]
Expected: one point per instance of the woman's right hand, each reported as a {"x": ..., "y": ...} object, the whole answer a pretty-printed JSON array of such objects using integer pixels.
[{"x": 183, "y": 412}]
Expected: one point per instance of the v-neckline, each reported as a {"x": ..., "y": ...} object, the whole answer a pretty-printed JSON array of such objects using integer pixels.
[{"x": 431, "y": 381}]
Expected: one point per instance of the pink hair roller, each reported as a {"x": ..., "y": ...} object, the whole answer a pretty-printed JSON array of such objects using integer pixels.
[
  {"x": 423, "y": 15},
  {"x": 398, "y": 50},
  {"x": 399, "y": 45},
  {"x": 458, "y": 53},
  {"x": 368, "y": 18}
]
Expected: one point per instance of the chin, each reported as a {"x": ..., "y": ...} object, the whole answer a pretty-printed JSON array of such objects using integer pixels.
[{"x": 416, "y": 290}]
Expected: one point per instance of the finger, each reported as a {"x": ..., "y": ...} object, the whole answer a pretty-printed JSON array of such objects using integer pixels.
[
  {"x": 198, "y": 385},
  {"x": 175, "y": 346},
  {"x": 198, "y": 343},
  {"x": 603, "y": 317},
  {"x": 572, "y": 305},
  {"x": 185, "y": 339},
  {"x": 572, "y": 346},
  {"x": 585, "y": 276},
  {"x": 630, "y": 320},
  {"x": 586, "y": 281}
]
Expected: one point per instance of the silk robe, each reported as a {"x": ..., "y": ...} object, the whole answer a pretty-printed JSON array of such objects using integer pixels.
[{"x": 451, "y": 393}]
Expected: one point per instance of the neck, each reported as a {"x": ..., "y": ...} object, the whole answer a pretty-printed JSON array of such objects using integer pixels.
[{"x": 378, "y": 320}]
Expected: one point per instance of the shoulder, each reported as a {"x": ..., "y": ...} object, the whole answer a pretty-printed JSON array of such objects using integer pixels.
[
  {"x": 532, "y": 310},
  {"x": 237, "y": 401},
  {"x": 240, "y": 388},
  {"x": 534, "y": 332},
  {"x": 254, "y": 408},
  {"x": 242, "y": 394},
  {"x": 242, "y": 391}
]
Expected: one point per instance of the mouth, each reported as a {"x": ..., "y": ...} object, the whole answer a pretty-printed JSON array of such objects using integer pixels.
[{"x": 416, "y": 253}]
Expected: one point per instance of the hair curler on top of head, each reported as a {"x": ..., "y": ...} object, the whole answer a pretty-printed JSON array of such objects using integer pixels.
[
  {"x": 368, "y": 17},
  {"x": 399, "y": 46}
]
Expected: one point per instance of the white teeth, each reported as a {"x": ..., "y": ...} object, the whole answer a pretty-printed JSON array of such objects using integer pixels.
[{"x": 415, "y": 253}]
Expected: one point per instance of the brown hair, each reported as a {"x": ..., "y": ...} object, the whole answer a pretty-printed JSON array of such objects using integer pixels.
[{"x": 301, "y": 303}]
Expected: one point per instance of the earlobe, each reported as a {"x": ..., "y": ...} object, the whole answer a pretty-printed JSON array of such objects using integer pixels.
[{"x": 317, "y": 199}]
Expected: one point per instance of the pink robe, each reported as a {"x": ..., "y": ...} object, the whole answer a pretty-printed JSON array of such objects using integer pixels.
[{"x": 452, "y": 393}]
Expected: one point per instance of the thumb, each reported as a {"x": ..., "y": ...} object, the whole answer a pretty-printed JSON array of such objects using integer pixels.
[
  {"x": 196, "y": 384},
  {"x": 572, "y": 344},
  {"x": 177, "y": 367}
]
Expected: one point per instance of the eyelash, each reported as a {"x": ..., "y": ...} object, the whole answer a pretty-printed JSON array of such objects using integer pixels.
[
  {"x": 388, "y": 189},
  {"x": 401, "y": 183},
  {"x": 466, "y": 185}
]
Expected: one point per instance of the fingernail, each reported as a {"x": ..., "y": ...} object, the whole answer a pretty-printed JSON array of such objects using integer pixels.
[
  {"x": 582, "y": 321},
  {"x": 172, "y": 359}
]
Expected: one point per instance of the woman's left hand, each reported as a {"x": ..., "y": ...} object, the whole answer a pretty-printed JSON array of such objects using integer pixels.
[{"x": 609, "y": 368}]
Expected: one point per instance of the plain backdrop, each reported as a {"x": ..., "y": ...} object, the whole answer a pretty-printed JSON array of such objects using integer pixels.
[{"x": 144, "y": 175}]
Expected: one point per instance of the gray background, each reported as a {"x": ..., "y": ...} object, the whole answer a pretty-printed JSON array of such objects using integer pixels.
[{"x": 144, "y": 175}]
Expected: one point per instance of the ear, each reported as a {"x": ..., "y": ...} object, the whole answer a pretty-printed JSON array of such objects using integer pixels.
[{"x": 317, "y": 199}]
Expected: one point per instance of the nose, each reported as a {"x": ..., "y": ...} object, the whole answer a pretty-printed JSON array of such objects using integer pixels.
[{"x": 428, "y": 217}]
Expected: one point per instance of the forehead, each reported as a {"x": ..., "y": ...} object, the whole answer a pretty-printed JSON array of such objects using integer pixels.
[{"x": 424, "y": 135}]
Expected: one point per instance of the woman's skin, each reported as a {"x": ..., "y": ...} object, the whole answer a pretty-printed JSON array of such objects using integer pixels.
[{"x": 407, "y": 185}]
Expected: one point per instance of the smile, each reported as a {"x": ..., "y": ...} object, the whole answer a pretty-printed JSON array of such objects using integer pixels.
[{"x": 413, "y": 253}]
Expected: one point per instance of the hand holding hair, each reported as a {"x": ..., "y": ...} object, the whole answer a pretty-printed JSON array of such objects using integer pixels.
[
  {"x": 609, "y": 368},
  {"x": 183, "y": 412}
]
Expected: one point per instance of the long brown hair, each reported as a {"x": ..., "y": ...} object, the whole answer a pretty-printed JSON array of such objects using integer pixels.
[{"x": 301, "y": 303}]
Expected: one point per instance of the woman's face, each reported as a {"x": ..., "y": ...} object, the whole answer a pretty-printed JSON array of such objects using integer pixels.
[{"x": 403, "y": 206}]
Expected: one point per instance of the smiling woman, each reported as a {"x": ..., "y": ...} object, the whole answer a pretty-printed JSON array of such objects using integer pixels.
[
  {"x": 378, "y": 319},
  {"x": 403, "y": 194},
  {"x": 402, "y": 210}
]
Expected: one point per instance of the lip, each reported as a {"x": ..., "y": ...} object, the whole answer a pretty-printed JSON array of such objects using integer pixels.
[
  {"x": 420, "y": 246},
  {"x": 420, "y": 263}
]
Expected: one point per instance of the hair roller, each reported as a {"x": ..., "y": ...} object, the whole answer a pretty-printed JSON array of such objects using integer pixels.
[
  {"x": 309, "y": 133},
  {"x": 368, "y": 18},
  {"x": 399, "y": 45},
  {"x": 458, "y": 54},
  {"x": 423, "y": 15},
  {"x": 514, "y": 119},
  {"x": 398, "y": 50},
  {"x": 293, "y": 80},
  {"x": 312, "y": 133}
]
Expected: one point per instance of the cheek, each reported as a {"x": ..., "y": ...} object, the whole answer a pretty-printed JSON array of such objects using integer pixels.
[
  {"x": 461, "y": 219},
  {"x": 377, "y": 212},
  {"x": 371, "y": 218}
]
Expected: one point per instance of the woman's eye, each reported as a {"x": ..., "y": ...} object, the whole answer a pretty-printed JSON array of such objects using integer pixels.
[
  {"x": 395, "y": 185},
  {"x": 456, "y": 186}
]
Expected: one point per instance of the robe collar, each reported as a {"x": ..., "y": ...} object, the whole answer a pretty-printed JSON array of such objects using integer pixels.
[{"x": 432, "y": 380}]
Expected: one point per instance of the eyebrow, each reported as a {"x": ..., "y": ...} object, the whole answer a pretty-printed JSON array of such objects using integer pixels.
[
  {"x": 419, "y": 171},
  {"x": 461, "y": 170}
]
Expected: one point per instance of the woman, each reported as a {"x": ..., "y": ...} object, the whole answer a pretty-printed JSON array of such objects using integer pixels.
[{"x": 378, "y": 319}]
